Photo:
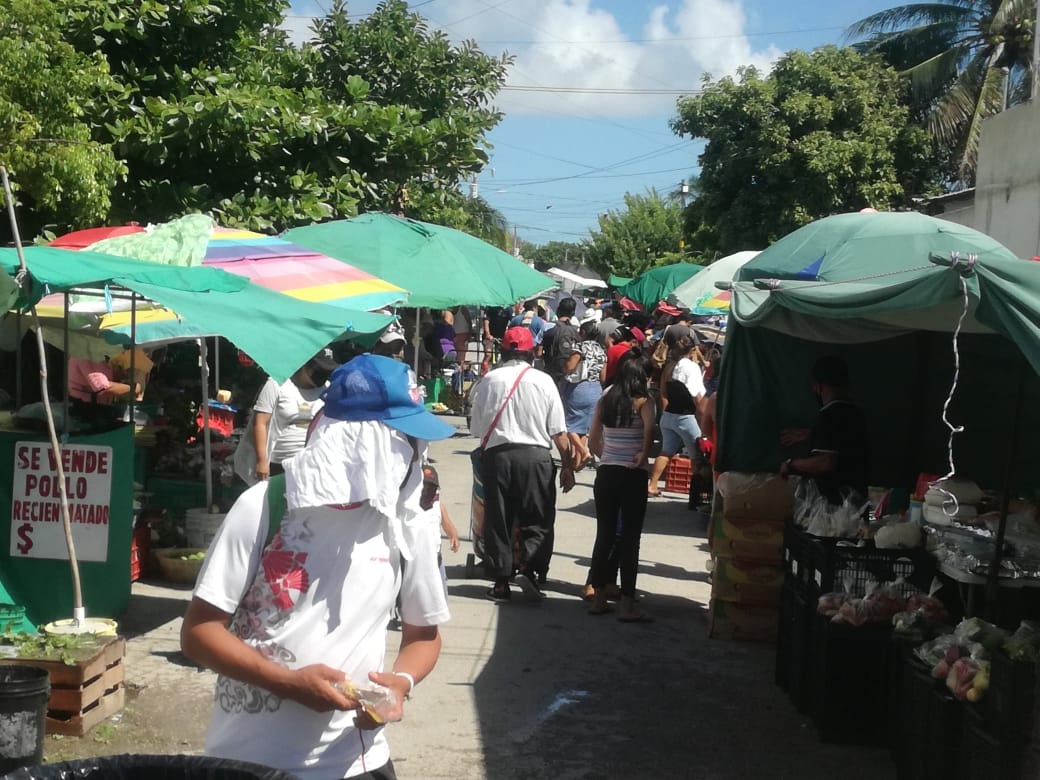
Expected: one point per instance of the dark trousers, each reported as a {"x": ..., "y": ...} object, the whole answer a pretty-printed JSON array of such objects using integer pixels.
[
  {"x": 385, "y": 772},
  {"x": 519, "y": 495},
  {"x": 618, "y": 490}
]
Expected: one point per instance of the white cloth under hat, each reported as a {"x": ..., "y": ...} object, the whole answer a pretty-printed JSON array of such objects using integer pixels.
[{"x": 351, "y": 462}]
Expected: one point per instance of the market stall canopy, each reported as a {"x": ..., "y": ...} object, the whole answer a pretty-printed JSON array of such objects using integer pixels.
[
  {"x": 658, "y": 283},
  {"x": 268, "y": 261},
  {"x": 882, "y": 294},
  {"x": 618, "y": 281},
  {"x": 280, "y": 333},
  {"x": 699, "y": 293},
  {"x": 439, "y": 266},
  {"x": 575, "y": 281}
]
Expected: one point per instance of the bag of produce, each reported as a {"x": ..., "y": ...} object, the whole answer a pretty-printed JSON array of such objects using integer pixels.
[{"x": 1024, "y": 644}]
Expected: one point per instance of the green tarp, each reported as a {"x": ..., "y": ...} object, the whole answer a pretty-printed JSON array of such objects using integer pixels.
[
  {"x": 655, "y": 285},
  {"x": 618, "y": 281},
  {"x": 439, "y": 266},
  {"x": 890, "y": 313},
  {"x": 279, "y": 332}
]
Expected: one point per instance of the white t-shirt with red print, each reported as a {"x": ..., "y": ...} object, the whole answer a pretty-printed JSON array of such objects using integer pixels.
[{"x": 322, "y": 592}]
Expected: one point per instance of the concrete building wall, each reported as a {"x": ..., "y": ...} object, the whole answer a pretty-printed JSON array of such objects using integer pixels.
[{"x": 1007, "y": 189}]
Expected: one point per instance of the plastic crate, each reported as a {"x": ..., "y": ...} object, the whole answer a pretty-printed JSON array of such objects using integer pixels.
[
  {"x": 985, "y": 756},
  {"x": 677, "y": 477},
  {"x": 794, "y": 648},
  {"x": 848, "y": 568},
  {"x": 177, "y": 496},
  {"x": 909, "y": 719},
  {"x": 798, "y": 548},
  {"x": 850, "y": 675},
  {"x": 1008, "y": 704}
]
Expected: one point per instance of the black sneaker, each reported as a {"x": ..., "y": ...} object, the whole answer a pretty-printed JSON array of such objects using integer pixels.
[
  {"x": 498, "y": 593},
  {"x": 529, "y": 586}
]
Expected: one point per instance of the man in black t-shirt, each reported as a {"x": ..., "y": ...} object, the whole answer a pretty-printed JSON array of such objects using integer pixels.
[
  {"x": 559, "y": 342},
  {"x": 838, "y": 457}
]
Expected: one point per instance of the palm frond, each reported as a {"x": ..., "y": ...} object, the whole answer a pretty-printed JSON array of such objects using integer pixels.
[
  {"x": 956, "y": 120},
  {"x": 956, "y": 12},
  {"x": 928, "y": 77}
]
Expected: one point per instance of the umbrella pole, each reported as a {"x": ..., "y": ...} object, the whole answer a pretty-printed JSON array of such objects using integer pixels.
[
  {"x": 993, "y": 575},
  {"x": 79, "y": 613},
  {"x": 18, "y": 362},
  {"x": 133, "y": 350},
  {"x": 65, "y": 351},
  {"x": 415, "y": 350},
  {"x": 216, "y": 365},
  {"x": 204, "y": 367}
]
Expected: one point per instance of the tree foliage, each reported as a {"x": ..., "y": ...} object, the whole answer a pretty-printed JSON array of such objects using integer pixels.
[
  {"x": 966, "y": 59},
  {"x": 211, "y": 109},
  {"x": 825, "y": 132},
  {"x": 47, "y": 89},
  {"x": 647, "y": 232}
]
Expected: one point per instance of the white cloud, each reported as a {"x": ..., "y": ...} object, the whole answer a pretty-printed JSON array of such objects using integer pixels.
[{"x": 574, "y": 44}]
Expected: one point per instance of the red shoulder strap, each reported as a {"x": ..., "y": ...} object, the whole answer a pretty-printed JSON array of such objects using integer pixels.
[{"x": 502, "y": 408}]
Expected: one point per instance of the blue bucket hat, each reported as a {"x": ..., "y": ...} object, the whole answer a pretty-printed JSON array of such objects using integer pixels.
[{"x": 381, "y": 389}]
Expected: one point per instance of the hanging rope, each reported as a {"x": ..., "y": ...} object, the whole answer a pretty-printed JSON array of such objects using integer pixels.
[{"x": 964, "y": 267}]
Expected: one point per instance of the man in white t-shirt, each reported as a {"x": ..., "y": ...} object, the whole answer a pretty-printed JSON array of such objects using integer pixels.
[
  {"x": 295, "y": 624},
  {"x": 518, "y": 414},
  {"x": 283, "y": 412}
]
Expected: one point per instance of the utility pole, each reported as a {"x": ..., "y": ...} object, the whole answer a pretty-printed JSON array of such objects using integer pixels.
[
  {"x": 516, "y": 243},
  {"x": 684, "y": 190},
  {"x": 1035, "y": 91}
]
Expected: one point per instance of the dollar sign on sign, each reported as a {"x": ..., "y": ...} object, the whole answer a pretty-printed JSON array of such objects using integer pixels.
[{"x": 25, "y": 534}]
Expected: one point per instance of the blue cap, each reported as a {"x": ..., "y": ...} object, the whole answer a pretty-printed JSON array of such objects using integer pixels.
[{"x": 381, "y": 389}]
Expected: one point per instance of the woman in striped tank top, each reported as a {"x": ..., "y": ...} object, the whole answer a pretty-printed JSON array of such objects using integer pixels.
[{"x": 621, "y": 434}]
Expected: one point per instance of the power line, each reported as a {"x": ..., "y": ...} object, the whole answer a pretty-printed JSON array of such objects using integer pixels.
[
  {"x": 599, "y": 90},
  {"x": 675, "y": 39}
]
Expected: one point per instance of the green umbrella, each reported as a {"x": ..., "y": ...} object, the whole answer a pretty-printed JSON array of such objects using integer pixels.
[
  {"x": 439, "y": 266},
  {"x": 618, "y": 281},
  {"x": 279, "y": 332},
  {"x": 653, "y": 286}
]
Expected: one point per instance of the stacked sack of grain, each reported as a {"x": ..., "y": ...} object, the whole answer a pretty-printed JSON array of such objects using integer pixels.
[{"x": 747, "y": 537}]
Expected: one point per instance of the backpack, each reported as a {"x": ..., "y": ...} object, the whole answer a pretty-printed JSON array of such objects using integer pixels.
[{"x": 558, "y": 347}]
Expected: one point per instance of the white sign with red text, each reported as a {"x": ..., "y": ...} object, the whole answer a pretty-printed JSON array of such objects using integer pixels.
[{"x": 36, "y": 527}]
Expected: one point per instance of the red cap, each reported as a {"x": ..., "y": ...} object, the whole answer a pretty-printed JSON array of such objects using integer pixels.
[{"x": 518, "y": 339}]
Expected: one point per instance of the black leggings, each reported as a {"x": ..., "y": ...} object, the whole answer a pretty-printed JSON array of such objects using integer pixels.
[{"x": 618, "y": 489}]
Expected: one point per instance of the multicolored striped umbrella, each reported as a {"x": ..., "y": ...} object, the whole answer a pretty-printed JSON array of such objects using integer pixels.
[
  {"x": 310, "y": 276},
  {"x": 269, "y": 261}
]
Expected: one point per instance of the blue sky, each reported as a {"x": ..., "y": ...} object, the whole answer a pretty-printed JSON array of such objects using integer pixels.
[{"x": 562, "y": 156}]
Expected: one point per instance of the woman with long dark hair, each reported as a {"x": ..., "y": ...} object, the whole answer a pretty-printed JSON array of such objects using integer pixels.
[{"x": 621, "y": 434}]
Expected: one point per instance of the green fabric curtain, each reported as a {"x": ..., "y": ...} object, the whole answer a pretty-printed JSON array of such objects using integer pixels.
[{"x": 439, "y": 266}]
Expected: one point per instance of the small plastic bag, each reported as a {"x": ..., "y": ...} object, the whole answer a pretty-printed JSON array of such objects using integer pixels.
[
  {"x": 378, "y": 701},
  {"x": 1024, "y": 644}
]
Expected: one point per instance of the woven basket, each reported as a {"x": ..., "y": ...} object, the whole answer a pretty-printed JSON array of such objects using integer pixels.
[{"x": 173, "y": 569}]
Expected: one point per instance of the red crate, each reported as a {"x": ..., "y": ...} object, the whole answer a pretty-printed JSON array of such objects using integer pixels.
[
  {"x": 677, "y": 477},
  {"x": 140, "y": 545}
]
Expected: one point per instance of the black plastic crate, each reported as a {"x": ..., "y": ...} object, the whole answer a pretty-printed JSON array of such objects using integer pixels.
[
  {"x": 942, "y": 734},
  {"x": 848, "y": 568},
  {"x": 795, "y": 647},
  {"x": 850, "y": 679},
  {"x": 985, "y": 756},
  {"x": 908, "y": 718},
  {"x": 798, "y": 547},
  {"x": 1008, "y": 704}
]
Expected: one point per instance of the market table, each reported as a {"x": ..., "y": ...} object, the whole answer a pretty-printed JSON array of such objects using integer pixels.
[{"x": 967, "y": 584}]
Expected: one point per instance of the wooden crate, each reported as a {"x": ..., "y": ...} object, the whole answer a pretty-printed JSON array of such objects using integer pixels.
[{"x": 85, "y": 693}]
